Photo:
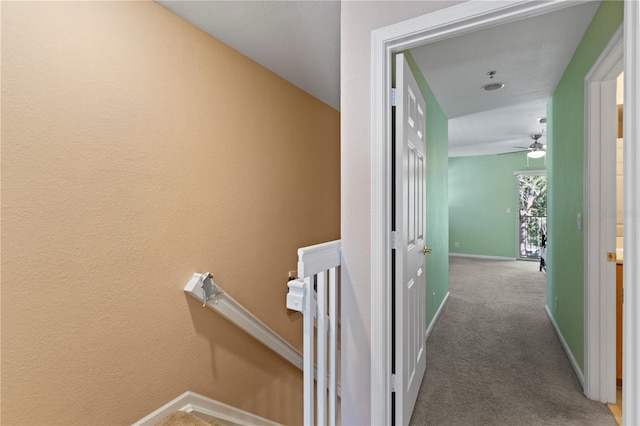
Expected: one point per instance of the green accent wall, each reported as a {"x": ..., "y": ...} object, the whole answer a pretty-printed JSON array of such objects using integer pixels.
[
  {"x": 481, "y": 188},
  {"x": 565, "y": 164},
  {"x": 437, "y": 139}
]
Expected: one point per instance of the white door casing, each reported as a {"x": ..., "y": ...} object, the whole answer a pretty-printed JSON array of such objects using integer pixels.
[
  {"x": 631, "y": 306},
  {"x": 409, "y": 282},
  {"x": 600, "y": 233},
  {"x": 450, "y": 22}
]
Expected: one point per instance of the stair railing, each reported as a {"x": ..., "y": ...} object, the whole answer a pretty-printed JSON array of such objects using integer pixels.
[
  {"x": 315, "y": 294},
  {"x": 202, "y": 288}
]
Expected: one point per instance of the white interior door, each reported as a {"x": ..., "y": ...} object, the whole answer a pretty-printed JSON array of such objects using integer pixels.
[{"x": 409, "y": 279}]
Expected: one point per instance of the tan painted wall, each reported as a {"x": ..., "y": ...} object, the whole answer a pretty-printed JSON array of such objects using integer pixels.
[{"x": 137, "y": 150}]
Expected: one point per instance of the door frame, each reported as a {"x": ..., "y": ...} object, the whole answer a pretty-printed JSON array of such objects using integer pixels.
[
  {"x": 599, "y": 275},
  {"x": 450, "y": 22},
  {"x": 631, "y": 309}
]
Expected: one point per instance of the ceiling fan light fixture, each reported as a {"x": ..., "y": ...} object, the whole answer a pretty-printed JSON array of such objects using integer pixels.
[
  {"x": 492, "y": 86},
  {"x": 536, "y": 154}
]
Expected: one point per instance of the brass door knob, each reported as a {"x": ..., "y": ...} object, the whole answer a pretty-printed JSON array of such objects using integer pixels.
[{"x": 426, "y": 250}]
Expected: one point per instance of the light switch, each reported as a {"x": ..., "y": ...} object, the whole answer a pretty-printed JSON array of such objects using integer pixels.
[{"x": 579, "y": 220}]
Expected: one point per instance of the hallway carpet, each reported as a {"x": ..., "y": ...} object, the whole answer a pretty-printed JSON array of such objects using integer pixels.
[{"x": 493, "y": 357}]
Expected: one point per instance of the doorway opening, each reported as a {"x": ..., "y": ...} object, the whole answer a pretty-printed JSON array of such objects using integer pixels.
[
  {"x": 402, "y": 36},
  {"x": 616, "y": 408}
]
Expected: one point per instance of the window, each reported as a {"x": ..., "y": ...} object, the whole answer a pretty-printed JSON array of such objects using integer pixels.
[{"x": 532, "y": 217}]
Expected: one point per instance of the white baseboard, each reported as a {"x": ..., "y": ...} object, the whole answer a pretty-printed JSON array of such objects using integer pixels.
[
  {"x": 479, "y": 256},
  {"x": 192, "y": 402},
  {"x": 566, "y": 348},
  {"x": 436, "y": 316}
]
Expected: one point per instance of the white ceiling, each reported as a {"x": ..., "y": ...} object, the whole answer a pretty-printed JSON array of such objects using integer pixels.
[
  {"x": 529, "y": 56},
  {"x": 300, "y": 41}
]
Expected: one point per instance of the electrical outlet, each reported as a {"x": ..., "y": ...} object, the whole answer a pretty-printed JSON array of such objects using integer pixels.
[
  {"x": 292, "y": 275},
  {"x": 508, "y": 210},
  {"x": 456, "y": 244}
]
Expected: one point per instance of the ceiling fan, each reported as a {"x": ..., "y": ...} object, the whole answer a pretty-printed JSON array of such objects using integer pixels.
[{"x": 536, "y": 149}]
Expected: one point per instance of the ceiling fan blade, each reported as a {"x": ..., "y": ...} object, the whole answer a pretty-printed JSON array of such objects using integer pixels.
[{"x": 513, "y": 152}]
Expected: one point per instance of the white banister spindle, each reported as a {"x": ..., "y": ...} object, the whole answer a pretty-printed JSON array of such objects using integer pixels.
[
  {"x": 318, "y": 265},
  {"x": 308, "y": 353},
  {"x": 322, "y": 347},
  {"x": 333, "y": 345}
]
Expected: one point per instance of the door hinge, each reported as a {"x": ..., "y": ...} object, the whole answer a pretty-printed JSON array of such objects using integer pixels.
[
  {"x": 394, "y": 240},
  {"x": 393, "y": 383},
  {"x": 393, "y": 96}
]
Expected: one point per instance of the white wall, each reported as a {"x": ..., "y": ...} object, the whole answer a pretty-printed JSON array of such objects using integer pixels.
[{"x": 357, "y": 21}]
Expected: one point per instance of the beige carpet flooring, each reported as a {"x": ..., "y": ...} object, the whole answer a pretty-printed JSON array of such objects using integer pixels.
[{"x": 493, "y": 358}]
